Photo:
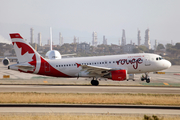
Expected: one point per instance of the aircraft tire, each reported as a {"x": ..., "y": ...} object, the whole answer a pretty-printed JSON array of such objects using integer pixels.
[
  {"x": 148, "y": 80},
  {"x": 94, "y": 82},
  {"x": 142, "y": 79}
]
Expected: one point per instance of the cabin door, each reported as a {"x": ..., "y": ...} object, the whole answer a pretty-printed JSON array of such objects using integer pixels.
[{"x": 147, "y": 61}]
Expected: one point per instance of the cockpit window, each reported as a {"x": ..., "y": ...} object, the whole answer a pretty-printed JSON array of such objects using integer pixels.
[{"x": 159, "y": 58}]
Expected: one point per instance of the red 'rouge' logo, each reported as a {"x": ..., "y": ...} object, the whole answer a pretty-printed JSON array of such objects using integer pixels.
[{"x": 132, "y": 61}]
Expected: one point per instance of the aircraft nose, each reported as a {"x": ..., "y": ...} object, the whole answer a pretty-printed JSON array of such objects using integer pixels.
[{"x": 167, "y": 64}]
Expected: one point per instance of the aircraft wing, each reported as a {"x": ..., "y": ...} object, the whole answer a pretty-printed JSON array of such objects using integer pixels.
[
  {"x": 95, "y": 70},
  {"x": 9, "y": 57},
  {"x": 69, "y": 54},
  {"x": 6, "y": 60}
]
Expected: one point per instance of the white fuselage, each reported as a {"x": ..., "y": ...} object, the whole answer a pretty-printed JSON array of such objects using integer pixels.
[{"x": 146, "y": 63}]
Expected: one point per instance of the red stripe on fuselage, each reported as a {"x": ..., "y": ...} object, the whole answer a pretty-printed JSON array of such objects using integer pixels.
[{"x": 48, "y": 70}]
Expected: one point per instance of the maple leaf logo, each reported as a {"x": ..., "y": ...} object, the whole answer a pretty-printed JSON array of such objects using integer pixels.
[{"x": 25, "y": 53}]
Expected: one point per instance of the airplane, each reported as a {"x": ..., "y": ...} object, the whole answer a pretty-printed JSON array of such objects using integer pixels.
[
  {"x": 51, "y": 54},
  {"x": 114, "y": 67}
]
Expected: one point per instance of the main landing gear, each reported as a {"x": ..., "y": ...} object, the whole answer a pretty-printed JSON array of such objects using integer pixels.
[
  {"x": 94, "y": 82},
  {"x": 146, "y": 77}
]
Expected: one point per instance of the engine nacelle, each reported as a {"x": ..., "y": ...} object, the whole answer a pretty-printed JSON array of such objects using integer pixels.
[
  {"x": 5, "y": 61},
  {"x": 117, "y": 75}
]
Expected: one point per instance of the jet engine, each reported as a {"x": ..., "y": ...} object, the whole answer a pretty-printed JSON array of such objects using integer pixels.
[
  {"x": 5, "y": 61},
  {"x": 117, "y": 75}
]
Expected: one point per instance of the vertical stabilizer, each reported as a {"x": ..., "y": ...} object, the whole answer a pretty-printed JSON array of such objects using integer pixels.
[{"x": 24, "y": 51}]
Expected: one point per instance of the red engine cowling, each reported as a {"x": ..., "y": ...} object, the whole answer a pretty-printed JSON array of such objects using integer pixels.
[{"x": 117, "y": 75}]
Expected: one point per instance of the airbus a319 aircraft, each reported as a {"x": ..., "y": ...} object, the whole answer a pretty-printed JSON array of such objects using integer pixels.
[{"x": 114, "y": 67}]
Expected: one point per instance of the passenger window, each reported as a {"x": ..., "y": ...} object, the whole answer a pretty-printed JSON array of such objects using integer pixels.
[
  {"x": 113, "y": 61},
  {"x": 109, "y": 62},
  {"x": 56, "y": 65},
  {"x": 105, "y": 62},
  {"x": 59, "y": 65},
  {"x": 102, "y": 62},
  {"x": 89, "y": 63},
  {"x": 99, "y": 62},
  {"x": 95, "y": 63},
  {"x": 69, "y": 64},
  {"x": 156, "y": 58}
]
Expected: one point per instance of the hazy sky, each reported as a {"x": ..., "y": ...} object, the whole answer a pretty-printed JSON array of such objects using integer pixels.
[{"x": 81, "y": 17}]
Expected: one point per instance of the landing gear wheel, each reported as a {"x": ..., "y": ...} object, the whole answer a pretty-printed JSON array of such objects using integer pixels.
[
  {"x": 148, "y": 80},
  {"x": 142, "y": 79},
  {"x": 94, "y": 82},
  {"x": 146, "y": 77}
]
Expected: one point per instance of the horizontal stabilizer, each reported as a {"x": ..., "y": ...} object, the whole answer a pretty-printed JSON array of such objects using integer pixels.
[{"x": 23, "y": 67}]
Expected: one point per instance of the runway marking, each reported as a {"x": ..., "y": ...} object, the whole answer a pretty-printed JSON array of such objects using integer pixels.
[
  {"x": 45, "y": 81},
  {"x": 166, "y": 83}
]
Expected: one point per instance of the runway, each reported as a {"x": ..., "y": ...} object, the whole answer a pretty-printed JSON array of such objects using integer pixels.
[
  {"x": 22, "y": 82},
  {"x": 88, "y": 89},
  {"x": 18, "y": 78},
  {"x": 89, "y": 109}
]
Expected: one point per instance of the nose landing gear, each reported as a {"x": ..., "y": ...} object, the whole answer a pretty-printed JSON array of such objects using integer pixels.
[
  {"x": 146, "y": 77},
  {"x": 94, "y": 82}
]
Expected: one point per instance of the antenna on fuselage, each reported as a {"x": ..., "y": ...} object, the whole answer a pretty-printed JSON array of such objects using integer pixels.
[{"x": 50, "y": 38}]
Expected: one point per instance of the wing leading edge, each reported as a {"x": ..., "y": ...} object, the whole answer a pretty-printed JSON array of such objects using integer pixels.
[{"x": 95, "y": 70}]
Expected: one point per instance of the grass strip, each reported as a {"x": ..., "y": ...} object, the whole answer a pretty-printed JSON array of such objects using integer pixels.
[
  {"x": 89, "y": 98},
  {"x": 82, "y": 117}
]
